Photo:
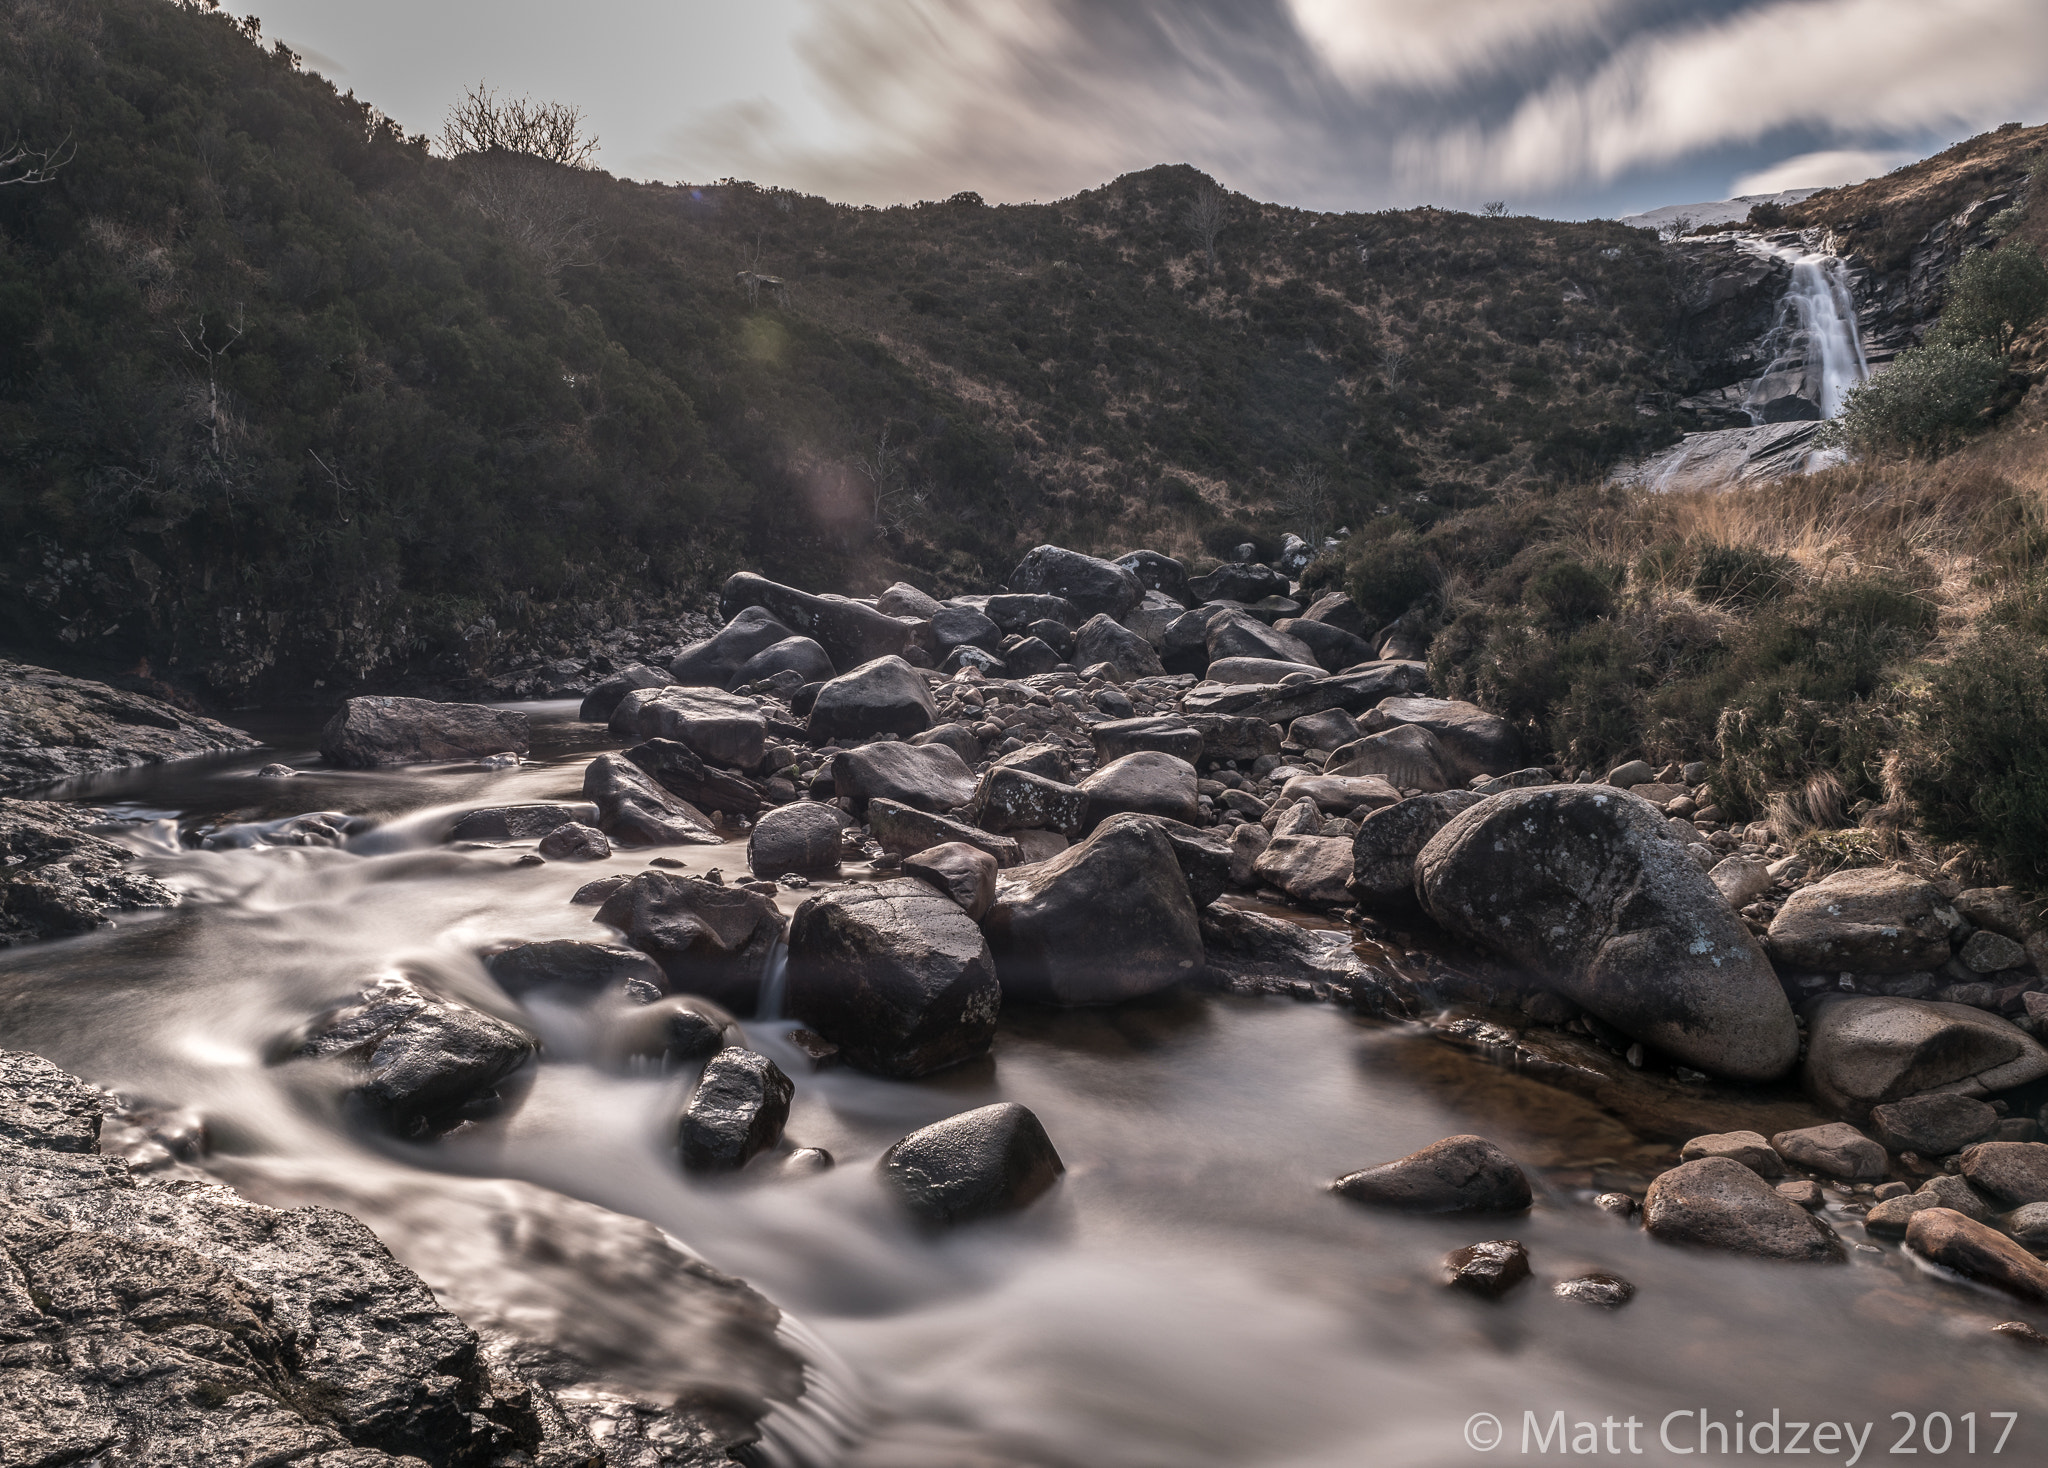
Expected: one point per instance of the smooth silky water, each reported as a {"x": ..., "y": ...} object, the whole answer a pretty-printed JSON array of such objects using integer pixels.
[{"x": 1188, "y": 1296}]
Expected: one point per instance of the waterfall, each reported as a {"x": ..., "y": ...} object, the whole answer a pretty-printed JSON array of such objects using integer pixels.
[
  {"x": 1816, "y": 326},
  {"x": 774, "y": 983}
]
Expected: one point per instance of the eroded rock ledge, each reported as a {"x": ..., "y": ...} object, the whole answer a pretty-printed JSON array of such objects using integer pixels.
[{"x": 53, "y": 727}]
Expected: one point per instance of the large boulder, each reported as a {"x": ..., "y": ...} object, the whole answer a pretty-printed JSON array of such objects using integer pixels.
[
  {"x": 1586, "y": 889},
  {"x": 1184, "y": 645},
  {"x": 1314, "y": 871},
  {"x": 1865, "y": 920},
  {"x": 574, "y": 842},
  {"x": 885, "y": 696},
  {"x": 1355, "y": 691},
  {"x": 1334, "y": 648},
  {"x": 799, "y": 655},
  {"x": 377, "y": 730},
  {"x": 1341, "y": 795},
  {"x": 517, "y": 822},
  {"x": 1027, "y": 657},
  {"x": 1835, "y": 1150},
  {"x": 1464, "y": 1174},
  {"x": 905, "y": 600},
  {"x": 582, "y": 970},
  {"x": 901, "y": 829},
  {"x": 1864, "y": 1050},
  {"x": 738, "y": 1110},
  {"x": 1151, "y": 617},
  {"x": 958, "y": 626},
  {"x": 1473, "y": 741},
  {"x": 598, "y": 704},
  {"x": 1107, "y": 920},
  {"x": 679, "y": 770},
  {"x": 1384, "y": 850},
  {"x": 1010, "y": 799},
  {"x": 1160, "y": 573},
  {"x": 896, "y": 975},
  {"x": 1257, "y": 672},
  {"x": 1103, "y": 640},
  {"x": 722, "y": 728},
  {"x": 1408, "y": 758},
  {"x": 1934, "y": 1125},
  {"x": 1717, "y": 1203},
  {"x": 632, "y": 807},
  {"x": 1238, "y": 635},
  {"x": 1328, "y": 730},
  {"x": 708, "y": 939},
  {"x": 1977, "y": 1252},
  {"x": 1022, "y": 612},
  {"x": 1160, "y": 732},
  {"x": 928, "y": 776},
  {"x": 421, "y": 1058},
  {"x": 1238, "y": 581},
  {"x": 2011, "y": 1174},
  {"x": 1230, "y": 737},
  {"x": 1092, "y": 585},
  {"x": 994, "y": 1159},
  {"x": 1148, "y": 783},
  {"x": 1336, "y": 609},
  {"x": 850, "y": 632},
  {"x": 965, "y": 874},
  {"x": 802, "y": 837},
  {"x": 712, "y": 662}
]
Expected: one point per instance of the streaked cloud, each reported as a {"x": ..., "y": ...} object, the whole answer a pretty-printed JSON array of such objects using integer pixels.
[{"x": 1827, "y": 169}]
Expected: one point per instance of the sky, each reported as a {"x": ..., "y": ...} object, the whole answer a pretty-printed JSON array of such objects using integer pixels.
[{"x": 1565, "y": 108}]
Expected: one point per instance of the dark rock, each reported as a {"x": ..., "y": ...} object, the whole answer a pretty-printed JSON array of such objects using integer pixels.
[
  {"x": 277, "y": 771},
  {"x": 1184, "y": 645},
  {"x": 722, "y": 728},
  {"x": 1019, "y": 612},
  {"x": 1720, "y": 1204},
  {"x": 801, "y": 838},
  {"x": 1341, "y": 795},
  {"x": 1204, "y": 860},
  {"x": 57, "y": 879},
  {"x": 992, "y": 1160},
  {"x": 1584, "y": 887},
  {"x": 737, "y": 1111},
  {"x": 1337, "y": 610},
  {"x": 518, "y": 822},
  {"x": 1836, "y": 1149},
  {"x": 1977, "y": 1252},
  {"x": 1048, "y": 761},
  {"x": 712, "y": 662},
  {"x": 1092, "y": 585},
  {"x": 708, "y": 939},
  {"x": 1330, "y": 729},
  {"x": 902, "y": 829},
  {"x": 1029, "y": 656},
  {"x": 1621, "y": 1205},
  {"x": 1107, "y": 920},
  {"x": 1865, "y": 1050},
  {"x": 678, "y": 769},
  {"x": 1866, "y": 920},
  {"x": 985, "y": 663},
  {"x": 1238, "y": 581},
  {"x": 905, "y": 600},
  {"x": 1474, "y": 741},
  {"x": 1334, "y": 650},
  {"x": 671, "y": 1031},
  {"x": 1251, "y": 953},
  {"x": 53, "y": 727},
  {"x": 1161, "y": 733},
  {"x": 2009, "y": 1173},
  {"x": 1104, "y": 640},
  {"x": 927, "y": 776},
  {"x": 1055, "y": 635},
  {"x": 885, "y": 696},
  {"x": 896, "y": 975},
  {"x": 799, "y": 655},
  {"x": 1009, "y": 799},
  {"x": 1232, "y": 737},
  {"x": 1933, "y": 1125},
  {"x": 575, "y": 842},
  {"x": 421, "y": 1057},
  {"x": 599, "y": 704},
  {"x": 955, "y": 736},
  {"x": 964, "y": 873},
  {"x": 1488, "y": 1270},
  {"x": 1384, "y": 850},
  {"x": 1156, "y": 572},
  {"x": 1356, "y": 691},
  {"x": 374, "y": 731},
  {"x": 1408, "y": 758},
  {"x": 1236, "y": 635},
  {"x": 1313, "y": 871},
  {"x": 1464, "y": 1174},
  {"x": 1146, "y": 783},
  {"x": 850, "y": 633},
  {"x": 583, "y": 969},
  {"x": 593, "y": 894},
  {"x": 957, "y": 626},
  {"x": 1609, "y": 1291},
  {"x": 328, "y": 828},
  {"x": 2028, "y": 1224},
  {"x": 1748, "y": 1148},
  {"x": 632, "y": 808}
]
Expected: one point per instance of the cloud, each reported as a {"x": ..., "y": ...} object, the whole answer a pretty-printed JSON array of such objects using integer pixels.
[{"x": 1824, "y": 170}]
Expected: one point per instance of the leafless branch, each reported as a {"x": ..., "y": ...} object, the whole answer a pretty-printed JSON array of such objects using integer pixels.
[
  {"x": 1205, "y": 218},
  {"x": 21, "y": 164}
]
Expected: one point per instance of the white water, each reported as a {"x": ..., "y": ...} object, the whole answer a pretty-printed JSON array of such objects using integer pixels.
[{"x": 1816, "y": 326}]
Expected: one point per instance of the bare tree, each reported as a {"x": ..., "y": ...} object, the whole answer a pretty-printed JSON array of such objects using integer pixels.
[
  {"x": 1309, "y": 500},
  {"x": 1495, "y": 209},
  {"x": 1205, "y": 218},
  {"x": 1392, "y": 360},
  {"x": 894, "y": 505},
  {"x": 212, "y": 352},
  {"x": 1675, "y": 227},
  {"x": 21, "y": 164},
  {"x": 526, "y": 165}
]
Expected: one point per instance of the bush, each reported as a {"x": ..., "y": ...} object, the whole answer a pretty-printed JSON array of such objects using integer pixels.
[
  {"x": 1993, "y": 296},
  {"x": 1975, "y": 758},
  {"x": 1924, "y": 403},
  {"x": 1223, "y": 540},
  {"x": 1740, "y": 575},
  {"x": 1570, "y": 593},
  {"x": 1389, "y": 577}
]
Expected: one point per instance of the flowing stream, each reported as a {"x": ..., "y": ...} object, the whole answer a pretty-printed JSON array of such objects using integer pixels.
[
  {"x": 1816, "y": 327},
  {"x": 1187, "y": 1297}
]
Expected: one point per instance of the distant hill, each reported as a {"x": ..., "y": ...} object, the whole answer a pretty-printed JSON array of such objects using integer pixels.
[{"x": 1718, "y": 211}]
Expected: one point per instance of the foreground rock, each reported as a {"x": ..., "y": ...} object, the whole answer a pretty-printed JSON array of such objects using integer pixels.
[
  {"x": 1977, "y": 1252},
  {"x": 708, "y": 939},
  {"x": 801, "y": 838},
  {"x": 53, "y": 727},
  {"x": 1464, "y": 1174},
  {"x": 1388, "y": 840},
  {"x": 1488, "y": 1270},
  {"x": 1585, "y": 887},
  {"x": 1720, "y": 1204},
  {"x": 633, "y": 808},
  {"x": 995, "y": 1159},
  {"x": 367, "y": 732},
  {"x": 966, "y": 874},
  {"x": 57, "y": 879},
  {"x": 737, "y": 1111},
  {"x": 1863, "y": 1051},
  {"x": 1866, "y": 920},
  {"x": 885, "y": 696},
  {"x": 896, "y": 974}
]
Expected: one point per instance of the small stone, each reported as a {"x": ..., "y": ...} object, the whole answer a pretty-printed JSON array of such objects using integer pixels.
[
  {"x": 818, "y": 1052},
  {"x": 1635, "y": 772},
  {"x": 274, "y": 771},
  {"x": 1956, "y": 1192},
  {"x": 807, "y": 1162},
  {"x": 1463, "y": 1174},
  {"x": 1890, "y": 1218},
  {"x": 2020, "y": 1334},
  {"x": 1980, "y": 1252},
  {"x": 1836, "y": 1149},
  {"x": 1748, "y": 1148},
  {"x": 738, "y": 1110},
  {"x": 1608, "y": 1290},
  {"x": 1987, "y": 952},
  {"x": 1803, "y": 1191},
  {"x": 1621, "y": 1205},
  {"x": 1718, "y": 1203},
  {"x": 1490, "y": 1269},
  {"x": 1890, "y": 1190}
]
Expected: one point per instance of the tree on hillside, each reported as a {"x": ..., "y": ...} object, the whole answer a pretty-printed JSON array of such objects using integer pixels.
[
  {"x": 1494, "y": 209},
  {"x": 1308, "y": 501},
  {"x": 1205, "y": 218},
  {"x": 1994, "y": 296},
  {"x": 526, "y": 165}
]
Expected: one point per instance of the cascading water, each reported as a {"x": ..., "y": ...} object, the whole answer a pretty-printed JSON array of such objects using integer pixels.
[{"x": 1815, "y": 334}]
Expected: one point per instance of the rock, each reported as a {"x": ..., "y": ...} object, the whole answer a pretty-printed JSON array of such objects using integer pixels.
[
  {"x": 372, "y": 731},
  {"x": 1160, "y": 573},
  {"x": 905, "y": 600},
  {"x": 1360, "y": 689},
  {"x": 600, "y": 703},
  {"x": 801, "y": 838},
  {"x": 1019, "y": 612},
  {"x": 671, "y": 1031},
  {"x": 1230, "y": 737},
  {"x": 1806, "y": 1193},
  {"x": 961, "y": 626},
  {"x": 277, "y": 771},
  {"x": 1258, "y": 672},
  {"x": 585, "y": 970},
  {"x": 328, "y": 828},
  {"x": 1866, "y": 920},
  {"x": 1932, "y": 1125},
  {"x": 1996, "y": 908},
  {"x": 1383, "y": 852},
  {"x": 1748, "y": 1148},
  {"x": 723, "y": 728},
  {"x": 2028, "y": 1224},
  {"x": 1865, "y": 1050},
  {"x": 799, "y": 655},
  {"x": 575, "y": 842},
  {"x": 737, "y": 1111},
  {"x": 1184, "y": 645},
  {"x": 1889, "y": 1218},
  {"x": 519, "y": 822},
  {"x": 1987, "y": 952},
  {"x": 1314, "y": 871},
  {"x": 1473, "y": 741},
  {"x": 1030, "y": 656},
  {"x": 1336, "y": 609},
  {"x": 1488, "y": 1270},
  {"x": 964, "y": 873},
  {"x": 1104, "y": 921},
  {"x": 2009, "y": 1173},
  {"x": 708, "y": 939},
  {"x": 712, "y": 662},
  {"x": 992, "y": 1160},
  {"x": 1342, "y": 795},
  {"x": 421, "y": 1058},
  {"x": 850, "y": 633},
  {"x": 1159, "y": 733},
  {"x": 1720, "y": 1204},
  {"x": 955, "y": 736},
  {"x": 886, "y": 696},
  {"x": 1247, "y": 842},
  {"x": 929, "y": 777},
  {"x": 1009, "y": 799},
  {"x": 1048, "y": 761},
  {"x": 1147, "y": 783},
  {"x": 1095, "y": 587},
  {"x": 1609, "y": 1291},
  {"x": 1239, "y": 581},
  {"x": 1237, "y": 635},
  {"x": 1301, "y": 818},
  {"x": 53, "y": 727},
  {"x": 1407, "y": 757},
  {"x": 1463, "y": 1174},
  {"x": 1039, "y": 845},
  {"x": 676, "y": 768},
  {"x": 1955, "y": 1191},
  {"x": 1977, "y": 1252},
  {"x": 1836, "y": 1149},
  {"x": 896, "y": 975},
  {"x": 632, "y": 808},
  {"x": 593, "y": 894},
  {"x": 902, "y": 829},
  {"x": 1330, "y": 729},
  {"x": 1621, "y": 1205},
  {"x": 1583, "y": 887},
  {"x": 1741, "y": 879},
  {"x": 1103, "y": 640},
  {"x": 1334, "y": 649},
  {"x": 1634, "y": 772}
]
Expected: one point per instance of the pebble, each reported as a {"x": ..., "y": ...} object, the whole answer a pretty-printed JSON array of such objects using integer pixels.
[
  {"x": 1609, "y": 1290},
  {"x": 1621, "y": 1205},
  {"x": 1490, "y": 1269}
]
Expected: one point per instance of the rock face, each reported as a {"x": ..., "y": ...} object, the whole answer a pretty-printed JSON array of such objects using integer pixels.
[
  {"x": 708, "y": 939},
  {"x": 58, "y": 879},
  {"x": 737, "y": 1111},
  {"x": 995, "y": 1159},
  {"x": 885, "y": 696},
  {"x": 372, "y": 731},
  {"x": 1585, "y": 888},
  {"x": 1464, "y": 1174},
  {"x": 896, "y": 975},
  {"x": 850, "y": 633},
  {"x": 1104, "y": 921},
  {"x": 1384, "y": 850},
  {"x": 720, "y": 727},
  {"x": 1104, "y": 640},
  {"x": 1972, "y": 1249},
  {"x": 1720, "y": 1204},
  {"x": 53, "y": 727},
  {"x": 1866, "y": 920},
  {"x": 929, "y": 777},
  {"x": 1863, "y": 1051},
  {"x": 1147, "y": 783},
  {"x": 801, "y": 838},
  {"x": 632, "y": 808},
  {"x": 1093, "y": 586}
]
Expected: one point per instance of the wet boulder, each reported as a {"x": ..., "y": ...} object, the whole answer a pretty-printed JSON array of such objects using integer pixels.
[
  {"x": 1866, "y": 920},
  {"x": 1474, "y": 742},
  {"x": 1147, "y": 783},
  {"x": 1464, "y": 1174},
  {"x": 1335, "y": 650},
  {"x": 1161, "y": 733},
  {"x": 902, "y": 829},
  {"x": 799, "y": 655},
  {"x": 1384, "y": 850},
  {"x": 679, "y": 770},
  {"x": 927, "y": 776},
  {"x": 1107, "y": 920},
  {"x": 966, "y": 874},
  {"x": 885, "y": 696},
  {"x": 802, "y": 837},
  {"x": 1835, "y": 1150},
  {"x": 2009, "y": 1173},
  {"x": 1094, "y": 586},
  {"x": 575, "y": 842},
  {"x": 1104, "y": 640},
  {"x": 1717, "y": 1203},
  {"x": 519, "y": 822},
  {"x": 1585, "y": 888},
  {"x": 1160, "y": 573},
  {"x": 1865, "y": 1050},
  {"x": 737, "y": 1111},
  {"x": 672, "y": 1030},
  {"x": 992, "y": 1160},
  {"x": 1977, "y": 1252},
  {"x": 1314, "y": 871},
  {"x": 375, "y": 730},
  {"x": 1407, "y": 757},
  {"x": 1238, "y": 581},
  {"x": 708, "y": 939},
  {"x": 1488, "y": 1270},
  {"x": 1008, "y": 799},
  {"x": 631, "y": 807},
  {"x": 1933, "y": 1125},
  {"x": 584, "y": 970},
  {"x": 721, "y": 728},
  {"x": 599, "y": 703},
  {"x": 421, "y": 1058},
  {"x": 850, "y": 632},
  {"x": 712, "y": 662},
  {"x": 896, "y": 975}
]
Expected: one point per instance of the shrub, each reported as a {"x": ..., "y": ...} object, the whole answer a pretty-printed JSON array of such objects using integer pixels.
[
  {"x": 1993, "y": 296},
  {"x": 1223, "y": 540},
  {"x": 1740, "y": 574},
  {"x": 1975, "y": 757},
  {"x": 1390, "y": 576},
  {"x": 1570, "y": 593},
  {"x": 1925, "y": 402}
]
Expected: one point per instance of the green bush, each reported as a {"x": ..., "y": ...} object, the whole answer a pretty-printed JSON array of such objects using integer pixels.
[
  {"x": 1975, "y": 756},
  {"x": 1993, "y": 296},
  {"x": 1389, "y": 577},
  {"x": 1741, "y": 575},
  {"x": 1570, "y": 593},
  {"x": 1924, "y": 403}
]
